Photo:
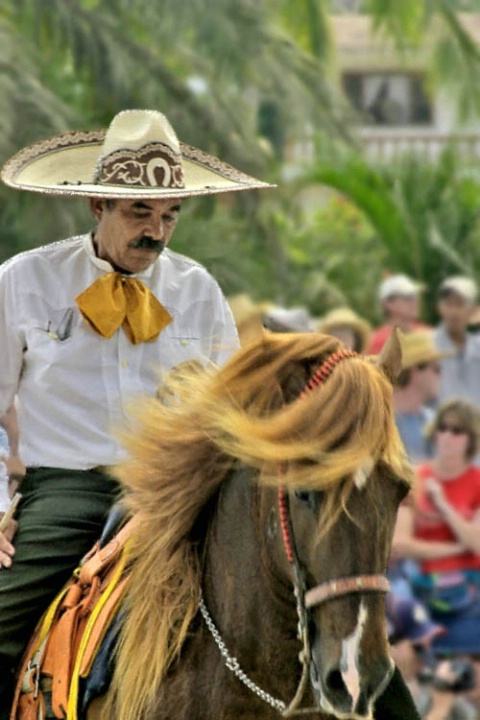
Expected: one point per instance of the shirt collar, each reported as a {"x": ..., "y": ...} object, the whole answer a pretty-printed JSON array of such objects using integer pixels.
[{"x": 104, "y": 265}]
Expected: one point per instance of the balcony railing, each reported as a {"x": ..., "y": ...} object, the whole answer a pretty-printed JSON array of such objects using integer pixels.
[{"x": 381, "y": 145}]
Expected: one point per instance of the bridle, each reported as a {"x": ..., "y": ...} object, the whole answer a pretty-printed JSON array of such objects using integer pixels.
[{"x": 305, "y": 599}]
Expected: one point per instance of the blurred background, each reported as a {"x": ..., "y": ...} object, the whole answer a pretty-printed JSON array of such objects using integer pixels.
[{"x": 366, "y": 113}]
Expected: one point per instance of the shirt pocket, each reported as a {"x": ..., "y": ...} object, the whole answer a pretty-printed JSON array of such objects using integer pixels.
[
  {"x": 185, "y": 346},
  {"x": 54, "y": 335}
]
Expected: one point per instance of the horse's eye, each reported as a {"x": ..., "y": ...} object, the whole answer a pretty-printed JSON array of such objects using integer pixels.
[
  {"x": 304, "y": 496},
  {"x": 309, "y": 498}
]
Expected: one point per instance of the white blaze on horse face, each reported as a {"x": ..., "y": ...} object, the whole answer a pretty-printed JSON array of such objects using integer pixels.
[
  {"x": 361, "y": 475},
  {"x": 349, "y": 663}
]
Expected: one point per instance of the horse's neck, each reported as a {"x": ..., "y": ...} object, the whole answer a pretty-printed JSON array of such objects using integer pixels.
[{"x": 252, "y": 608}]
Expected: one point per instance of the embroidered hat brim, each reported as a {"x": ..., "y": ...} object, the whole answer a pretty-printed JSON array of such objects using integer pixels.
[{"x": 68, "y": 164}]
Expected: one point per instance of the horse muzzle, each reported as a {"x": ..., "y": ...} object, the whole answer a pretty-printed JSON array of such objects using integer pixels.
[
  {"x": 348, "y": 673},
  {"x": 334, "y": 695}
]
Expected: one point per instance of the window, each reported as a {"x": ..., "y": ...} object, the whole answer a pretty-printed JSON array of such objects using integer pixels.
[{"x": 393, "y": 99}]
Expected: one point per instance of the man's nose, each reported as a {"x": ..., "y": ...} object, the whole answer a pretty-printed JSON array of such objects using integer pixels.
[{"x": 155, "y": 228}]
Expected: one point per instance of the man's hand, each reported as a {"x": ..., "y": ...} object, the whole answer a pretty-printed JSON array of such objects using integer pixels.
[
  {"x": 7, "y": 551},
  {"x": 15, "y": 467}
]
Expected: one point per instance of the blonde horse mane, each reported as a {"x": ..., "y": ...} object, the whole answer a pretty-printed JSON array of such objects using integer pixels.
[{"x": 248, "y": 410}]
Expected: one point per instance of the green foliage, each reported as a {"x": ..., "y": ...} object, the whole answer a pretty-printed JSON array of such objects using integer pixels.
[
  {"x": 425, "y": 215},
  {"x": 240, "y": 79},
  {"x": 335, "y": 258},
  {"x": 404, "y": 21},
  {"x": 70, "y": 64},
  {"x": 292, "y": 257},
  {"x": 456, "y": 56},
  {"x": 308, "y": 23},
  {"x": 139, "y": 54}
]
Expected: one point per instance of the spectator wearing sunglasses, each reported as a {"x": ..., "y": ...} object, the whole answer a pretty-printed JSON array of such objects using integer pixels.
[
  {"x": 417, "y": 387},
  {"x": 440, "y": 529}
]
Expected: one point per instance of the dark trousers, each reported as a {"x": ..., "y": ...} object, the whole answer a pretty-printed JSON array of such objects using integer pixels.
[{"x": 59, "y": 519}]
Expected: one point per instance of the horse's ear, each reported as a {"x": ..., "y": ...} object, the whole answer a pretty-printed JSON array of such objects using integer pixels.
[{"x": 390, "y": 358}]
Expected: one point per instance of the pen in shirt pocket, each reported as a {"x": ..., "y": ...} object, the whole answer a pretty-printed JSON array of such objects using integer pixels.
[{"x": 64, "y": 329}]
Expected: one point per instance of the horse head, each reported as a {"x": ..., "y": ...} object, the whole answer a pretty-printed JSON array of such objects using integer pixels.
[
  {"x": 340, "y": 575},
  {"x": 336, "y": 537}
]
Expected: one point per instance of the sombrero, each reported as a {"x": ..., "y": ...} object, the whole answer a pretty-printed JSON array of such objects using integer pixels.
[{"x": 138, "y": 155}]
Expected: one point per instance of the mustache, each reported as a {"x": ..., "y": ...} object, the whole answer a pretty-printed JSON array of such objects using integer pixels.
[{"x": 148, "y": 243}]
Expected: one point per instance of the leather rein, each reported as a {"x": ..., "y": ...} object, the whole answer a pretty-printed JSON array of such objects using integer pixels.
[{"x": 305, "y": 598}]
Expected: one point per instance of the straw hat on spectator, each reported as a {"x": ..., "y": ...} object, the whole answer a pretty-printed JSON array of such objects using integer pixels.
[
  {"x": 419, "y": 348},
  {"x": 248, "y": 316},
  {"x": 346, "y": 319}
]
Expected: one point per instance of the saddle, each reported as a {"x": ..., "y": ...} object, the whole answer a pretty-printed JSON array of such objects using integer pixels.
[{"x": 60, "y": 655}]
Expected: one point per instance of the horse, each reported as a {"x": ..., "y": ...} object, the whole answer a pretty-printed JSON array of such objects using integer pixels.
[{"x": 265, "y": 494}]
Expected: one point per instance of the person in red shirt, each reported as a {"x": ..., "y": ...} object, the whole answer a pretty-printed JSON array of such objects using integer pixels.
[
  {"x": 399, "y": 297},
  {"x": 442, "y": 529},
  {"x": 446, "y": 511},
  {"x": 439, "y": 527}
]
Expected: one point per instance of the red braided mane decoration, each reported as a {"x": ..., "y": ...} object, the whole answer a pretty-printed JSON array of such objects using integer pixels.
[
  {"x": 325, "y": 370},
  {"x": 340, "y": 586},
  {"x": 319, "y": 377}
]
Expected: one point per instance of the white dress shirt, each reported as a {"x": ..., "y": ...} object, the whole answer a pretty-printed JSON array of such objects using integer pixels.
[{"x": 74, "y": 386}]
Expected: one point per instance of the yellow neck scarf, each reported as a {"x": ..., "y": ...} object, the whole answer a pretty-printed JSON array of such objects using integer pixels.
[{"x": 115, "y": 300}]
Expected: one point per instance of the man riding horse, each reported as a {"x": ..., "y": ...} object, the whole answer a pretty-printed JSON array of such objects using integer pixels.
[{"x": 88, "y": 324}]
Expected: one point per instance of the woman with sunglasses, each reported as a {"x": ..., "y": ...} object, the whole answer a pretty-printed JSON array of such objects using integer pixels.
[{"x": 439, "y": 527}]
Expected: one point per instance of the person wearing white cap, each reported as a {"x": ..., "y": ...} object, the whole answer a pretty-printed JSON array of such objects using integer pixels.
[
  {"x": 456, "y": 303},
  {"x": 87, "y": 325},
  {"x": 399, "y": 299}
]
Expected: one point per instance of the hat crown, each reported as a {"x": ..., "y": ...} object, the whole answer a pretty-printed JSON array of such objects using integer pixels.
[
  {"x": 342, "y": 316},
  {"x": 461, "y": 285},
  {"x": 398, "y": 285},
  {"x": 140, "y": 150},
  {"x": 296, "y": 319},
  {"x": 132, "y": 129},
  {"x": 418, "y": 347}
]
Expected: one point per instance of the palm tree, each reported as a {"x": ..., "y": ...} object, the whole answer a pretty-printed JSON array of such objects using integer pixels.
[
  {"x": 210, "y": 76},
  {"x": 237, "y": 77},
  {"x": 230, "y": 87},
  {"x": 425, "y": 215}
]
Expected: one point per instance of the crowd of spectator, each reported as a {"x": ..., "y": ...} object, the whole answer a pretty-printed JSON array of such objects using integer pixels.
[{"x": 433, "y": 609}]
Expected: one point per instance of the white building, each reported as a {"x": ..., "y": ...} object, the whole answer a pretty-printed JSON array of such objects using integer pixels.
[{"x": 395, "y": 109}]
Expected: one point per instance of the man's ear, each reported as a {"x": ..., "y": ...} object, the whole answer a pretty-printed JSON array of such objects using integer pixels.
[
  {"x": 97, "y": 206},
  {"x": 390, "y": 358}
]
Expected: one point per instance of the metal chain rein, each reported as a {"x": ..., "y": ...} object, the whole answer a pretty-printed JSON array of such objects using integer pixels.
[{"x": 233, "y": 664}]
